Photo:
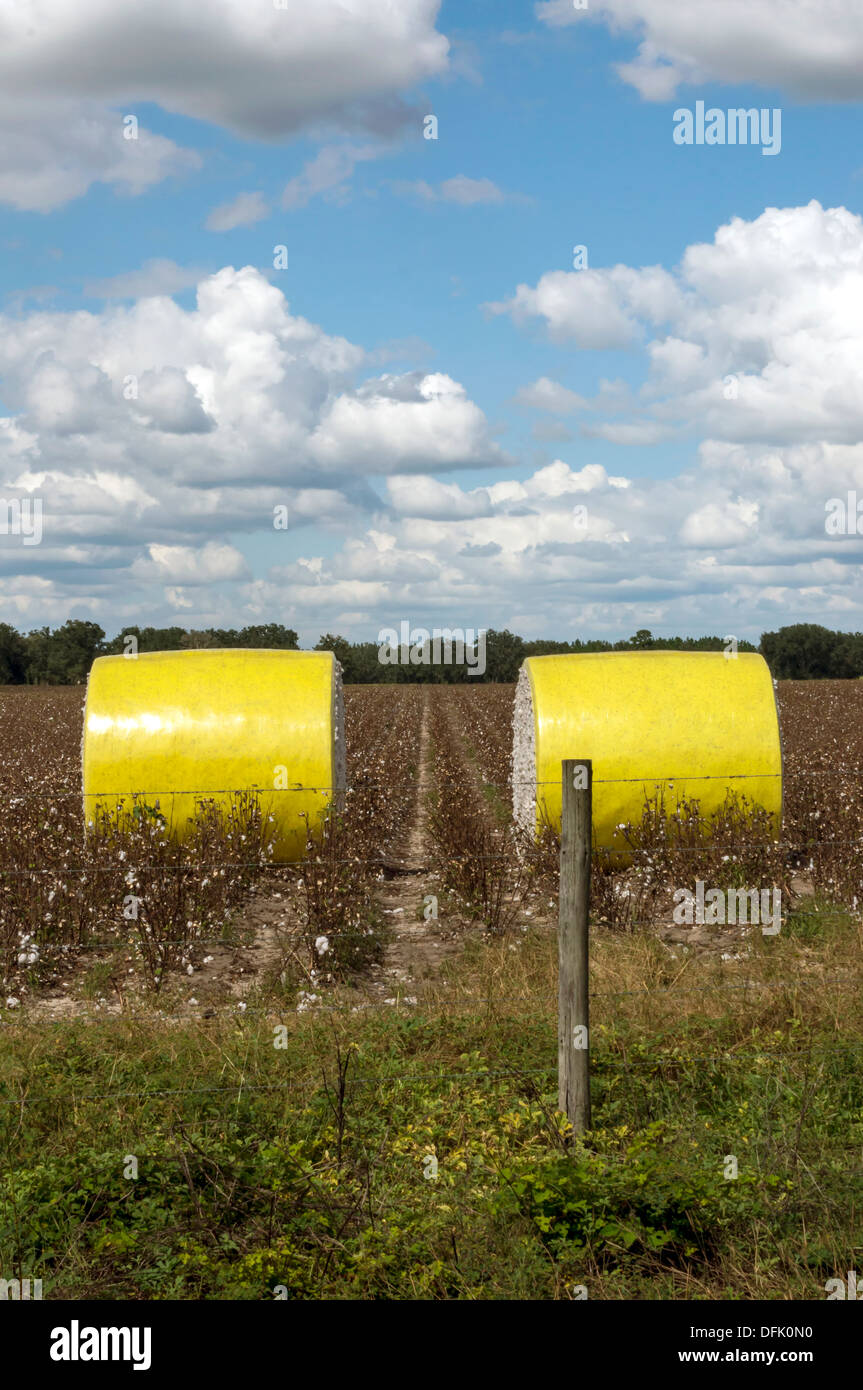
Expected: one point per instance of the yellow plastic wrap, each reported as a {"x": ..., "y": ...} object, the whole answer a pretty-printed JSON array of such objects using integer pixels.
[
  {"x": 694, "y": 724},
  {"x": 172, "y": 727}
]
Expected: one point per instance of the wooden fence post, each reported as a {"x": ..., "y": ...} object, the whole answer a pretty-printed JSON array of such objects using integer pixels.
[{"x": 573, "y": 1036}]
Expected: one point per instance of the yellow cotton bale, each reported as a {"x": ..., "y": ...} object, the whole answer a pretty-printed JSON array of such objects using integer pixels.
[
  {"x": 171, "y": 728},
  {"x": 690, "y": 724}
]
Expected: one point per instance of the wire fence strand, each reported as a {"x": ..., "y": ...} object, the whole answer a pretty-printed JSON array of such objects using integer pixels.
[
  {"x": 599, "y": 1062},
  {"x": 394, "y": 784}
]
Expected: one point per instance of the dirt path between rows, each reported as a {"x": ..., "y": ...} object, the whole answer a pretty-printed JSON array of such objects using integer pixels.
[{"x": 407, "y": 898}]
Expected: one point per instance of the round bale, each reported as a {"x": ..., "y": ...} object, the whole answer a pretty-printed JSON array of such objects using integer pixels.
[
  {"x": 688, "y": 724},
  {"x": 169, "y": 728}
]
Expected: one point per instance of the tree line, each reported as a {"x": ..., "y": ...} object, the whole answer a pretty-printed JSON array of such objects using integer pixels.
[{"x": 64, "y": 655}]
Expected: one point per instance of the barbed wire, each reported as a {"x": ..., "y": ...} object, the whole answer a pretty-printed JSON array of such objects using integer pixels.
[
  {"x": 714, "y": 846},
  {"x": 239, "y": 1089},
  {"x": 412, "y": 783},
  {"x": 598, "y": 1062}
]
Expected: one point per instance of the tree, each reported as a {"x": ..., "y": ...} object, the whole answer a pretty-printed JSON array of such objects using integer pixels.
[
  {"x": 847, "y": 659},
  {"x": 13, "y": 656},
  {"x": 269, "y": 635},
  {"x": 339, "y": 646},
  {"x": 504, "y": 653},
  {"x": 149, "y": 639},
  {"x": 358, "y": 660},
  {"x": 64, "y": 656},
  {"x": 803, "y": 651}
]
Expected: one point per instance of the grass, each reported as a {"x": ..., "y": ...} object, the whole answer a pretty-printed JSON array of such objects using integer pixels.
[{"x": 305, "y": 1169}]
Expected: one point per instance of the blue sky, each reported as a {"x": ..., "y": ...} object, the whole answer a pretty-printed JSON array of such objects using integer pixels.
[{"x": 427, "y": 477}]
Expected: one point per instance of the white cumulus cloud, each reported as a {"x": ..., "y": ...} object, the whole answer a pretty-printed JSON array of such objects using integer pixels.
[
  {"x": 811, "y": 48},
  {"x": 184, "y": 564},
  {"x": 69, "y": 73},
  {"x": 52, "y": 151}
]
